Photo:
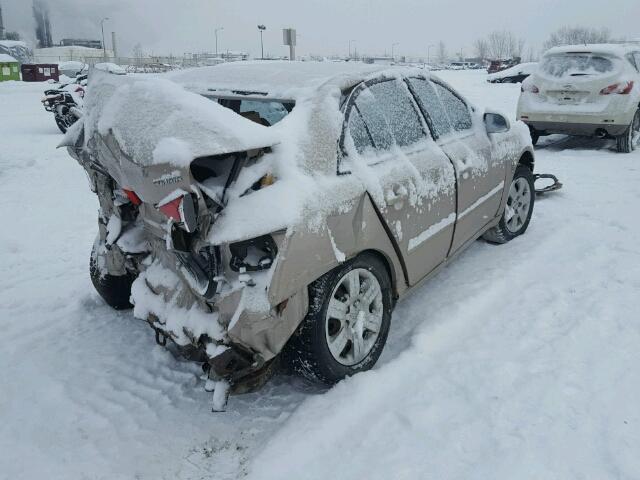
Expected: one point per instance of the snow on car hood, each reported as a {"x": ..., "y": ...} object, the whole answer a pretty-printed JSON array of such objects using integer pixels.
[{"x": 156, "y": 121}]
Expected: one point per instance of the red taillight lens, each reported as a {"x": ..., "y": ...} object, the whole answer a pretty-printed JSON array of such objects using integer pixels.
[
  {"x": 622, "y": 88},
  {"x": 529, "y": 88},
  {"x": 133, "y": 198},
  {"x": 183, "y": 210},
  {"x": 172, "y": 209}
]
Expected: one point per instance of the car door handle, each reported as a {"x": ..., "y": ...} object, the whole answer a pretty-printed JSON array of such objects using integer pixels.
[{"x": 396, "y": 196}]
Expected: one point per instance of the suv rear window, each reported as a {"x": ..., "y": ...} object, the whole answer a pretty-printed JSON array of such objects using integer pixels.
[{"x": 576, "y": 64}]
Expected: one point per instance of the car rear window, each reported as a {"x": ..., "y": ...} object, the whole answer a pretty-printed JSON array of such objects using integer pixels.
[
  {"x": 265, "y": 112},
  {"x": 576, "y": 64}
]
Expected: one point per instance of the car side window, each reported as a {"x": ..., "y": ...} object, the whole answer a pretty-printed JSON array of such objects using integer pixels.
[
  {"x": 636, "y": 57},
  {"x": 455, "y": 107},
  {"x": 358, "y": 131},
  {"x": 375, "y": 120},
  {"x": 431, "y": 106},
  {"x": 382, "y": 115}
]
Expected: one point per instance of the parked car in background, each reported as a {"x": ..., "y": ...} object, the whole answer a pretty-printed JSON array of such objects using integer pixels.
[
  {"x": 240, "y": 231},
  {"x": 499, "y": 65},
  {"x": 110, "y": 68},
  {"x": 589, "y": 90},
  {"x": 514, "y": 74}
]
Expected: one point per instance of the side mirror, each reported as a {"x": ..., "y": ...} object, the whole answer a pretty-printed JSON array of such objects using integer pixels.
[{"x": 496, "y": 123}]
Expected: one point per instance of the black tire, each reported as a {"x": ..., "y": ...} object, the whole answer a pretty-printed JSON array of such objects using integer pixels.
[
  {"x": 535, "y": 136},
  {"x": 65, "y": 121},
  {"x": 307, "y": 351},
  {"x": 625, "y": 142},
  {"x": 114, "y": 289},
  {"x": 502, "y": 233}
]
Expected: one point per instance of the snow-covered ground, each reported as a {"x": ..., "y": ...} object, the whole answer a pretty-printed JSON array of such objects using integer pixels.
[{"x": 516, "y": 362}]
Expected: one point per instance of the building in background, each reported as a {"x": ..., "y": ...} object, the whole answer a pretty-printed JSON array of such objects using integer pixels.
[
  {"x": 81, "y": 42},
  {"x": 9, "y": 68}
]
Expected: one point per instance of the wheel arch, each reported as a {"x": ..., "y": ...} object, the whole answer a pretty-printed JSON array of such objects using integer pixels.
[{"x": 527, "y": 160}]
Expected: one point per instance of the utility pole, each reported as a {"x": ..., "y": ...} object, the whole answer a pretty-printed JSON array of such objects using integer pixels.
[
  {"x": 262, "y": 28},
  {"x": 104, "y": 46},
  {"x": 215, "y": 32}
]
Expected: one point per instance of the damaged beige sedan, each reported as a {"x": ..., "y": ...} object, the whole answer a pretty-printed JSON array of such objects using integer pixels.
[{"x": 278, "y": 210}]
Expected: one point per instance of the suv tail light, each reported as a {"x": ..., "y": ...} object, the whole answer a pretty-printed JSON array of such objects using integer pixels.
[
  {"x": 622, "y": 88},
  {"x": 183, "y": 210},
  {"x": 529, "y": 88}
]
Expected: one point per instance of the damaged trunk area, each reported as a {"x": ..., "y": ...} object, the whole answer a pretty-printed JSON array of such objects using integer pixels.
[{"x": 189, "y": 290}]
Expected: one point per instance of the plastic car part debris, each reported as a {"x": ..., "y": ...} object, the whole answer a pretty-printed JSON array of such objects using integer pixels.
[
  {"x": 556, "y": 185},
  {"x": 220, "y": 396}
]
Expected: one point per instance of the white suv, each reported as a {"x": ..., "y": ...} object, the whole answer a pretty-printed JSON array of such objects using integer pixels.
[{"x": 589, "y": 90}]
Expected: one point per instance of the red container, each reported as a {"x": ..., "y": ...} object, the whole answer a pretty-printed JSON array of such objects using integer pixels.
[{"x": 39, "y": 72}]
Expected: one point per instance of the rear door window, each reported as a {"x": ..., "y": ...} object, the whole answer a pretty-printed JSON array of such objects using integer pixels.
[
  {"x": 358, "y": 131},
  {"x": 457, "y": 109},
  {"x": 389, "y": 115},
  {"x": 576, "y": 64},
  {"x": 431, "y": 106}
]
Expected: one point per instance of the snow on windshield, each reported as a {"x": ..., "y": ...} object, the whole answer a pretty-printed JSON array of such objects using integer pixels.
[{"x": 576, "y": 64}]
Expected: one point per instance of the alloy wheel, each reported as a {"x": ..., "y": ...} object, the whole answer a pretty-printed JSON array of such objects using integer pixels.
[
  {"x": 518, "y": 204},
  {"x": 354, "y": 316}
]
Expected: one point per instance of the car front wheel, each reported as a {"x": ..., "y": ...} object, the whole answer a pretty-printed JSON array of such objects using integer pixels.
[
  {"x": 346, "y": 327},
  {"x": 630, "y": 139},
  {"x": 517, "y": 212}
]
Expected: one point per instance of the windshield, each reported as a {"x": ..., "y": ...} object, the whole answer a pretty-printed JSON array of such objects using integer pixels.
[{"x": 576, "y": 64}]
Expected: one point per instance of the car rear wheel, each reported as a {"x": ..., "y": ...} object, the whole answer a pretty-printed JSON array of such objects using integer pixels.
[
  {"x": 517, "y": 212},
  {"x": 346, "y": 327},
  {"x": 630, "y": 139},
  {"x": 114, "y": 289}
]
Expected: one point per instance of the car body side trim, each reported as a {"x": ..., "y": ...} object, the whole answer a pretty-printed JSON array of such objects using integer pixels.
[{"x": 482, "y": 199}]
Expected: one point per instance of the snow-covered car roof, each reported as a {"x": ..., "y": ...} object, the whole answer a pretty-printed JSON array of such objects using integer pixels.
[
  {"x": 524, "y": 68},
  {"x": 277, "y": 79},
  {"x": 618, "y": 49}
]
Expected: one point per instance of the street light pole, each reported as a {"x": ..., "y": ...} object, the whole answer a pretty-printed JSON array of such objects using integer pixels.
[
  {"x": 393, "y": 45},
  {"x": 262, "y": 28},
  {"x": 104, "y": 46},
  {"x": 216, "y": 34}
]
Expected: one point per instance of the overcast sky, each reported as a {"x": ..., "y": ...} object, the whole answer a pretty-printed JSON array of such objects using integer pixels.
[{"x": 324, "y": 27}]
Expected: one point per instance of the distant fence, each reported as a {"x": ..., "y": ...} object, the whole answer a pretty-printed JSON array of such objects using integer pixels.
[{"x": 142, "y": 63}]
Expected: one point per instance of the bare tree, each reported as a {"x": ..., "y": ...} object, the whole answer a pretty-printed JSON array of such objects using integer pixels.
[
  {"x": 481, "y": 47},
  {"x": 442, "y": 52},
  {"x": 577, "y": 36},
  {"x": 500, "y": 45}
]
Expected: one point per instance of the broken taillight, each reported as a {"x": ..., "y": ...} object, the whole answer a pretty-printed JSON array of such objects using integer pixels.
[
  {"x": 622, "y": 88},
  {"x": 133, "y": 198},
  {"x": 183, "y": 210}
]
